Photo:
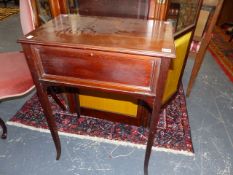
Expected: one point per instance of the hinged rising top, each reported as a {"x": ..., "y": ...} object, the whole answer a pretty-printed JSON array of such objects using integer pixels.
[{"x": 135, "y": 36}]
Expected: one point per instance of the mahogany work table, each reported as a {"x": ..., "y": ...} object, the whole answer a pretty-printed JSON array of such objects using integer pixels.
[{"x": 116, "y": 55}]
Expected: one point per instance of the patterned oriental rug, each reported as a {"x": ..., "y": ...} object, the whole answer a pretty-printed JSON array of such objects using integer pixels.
[
  {"x": 222, "y": 51},
  {"x": 173, "y": 133},
  {"x": 6, "y": 12}
]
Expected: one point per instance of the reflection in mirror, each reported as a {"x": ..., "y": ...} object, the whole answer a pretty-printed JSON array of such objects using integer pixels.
[
  {"x": 182, "y": 13},
  {"x": 140, "y": 9},
  {"x": 44, "y": 13},
  {"x": 114, "y": 8},
  {"x": 72, "y": 6}
]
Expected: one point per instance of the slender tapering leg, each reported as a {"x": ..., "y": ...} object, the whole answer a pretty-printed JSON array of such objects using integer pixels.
[
  {"x": 152, "y": 132},
  {"x": 4, "y": 129},
  {"x": 43, "y": 97}
]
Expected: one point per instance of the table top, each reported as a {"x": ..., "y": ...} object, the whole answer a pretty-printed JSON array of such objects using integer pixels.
[{"x": 125, "y": 35}]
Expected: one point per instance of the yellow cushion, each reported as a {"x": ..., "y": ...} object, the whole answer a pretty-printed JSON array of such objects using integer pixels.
[
  {"x": 119, "y": 104},
  {"x": 181, "y": 45},
  {"x": 125, "y": 105}
]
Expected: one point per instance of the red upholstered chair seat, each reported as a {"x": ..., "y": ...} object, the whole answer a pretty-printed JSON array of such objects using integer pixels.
[
  {"x": 16, "y": 80},
  {"x": 15, "y": 77}
]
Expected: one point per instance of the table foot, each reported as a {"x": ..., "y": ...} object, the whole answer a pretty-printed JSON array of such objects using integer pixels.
[
  {"x": 148, "y": 153},
  {"x": 146, "y": 168},
  {"x": 4, "y": 129},
  {"x": 57, "y": 143}
]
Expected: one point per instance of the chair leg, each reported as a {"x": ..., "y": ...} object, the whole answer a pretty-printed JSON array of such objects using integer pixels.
[
  {"x": 4, "y": 129},
  {"x": 195, "y": 70},
  {"x": 196, "y": 67}
]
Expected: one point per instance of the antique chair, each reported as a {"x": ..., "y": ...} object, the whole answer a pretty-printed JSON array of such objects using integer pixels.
[
  {"x": 202, "y": 38},
  {"x": 15, "y": 77}
]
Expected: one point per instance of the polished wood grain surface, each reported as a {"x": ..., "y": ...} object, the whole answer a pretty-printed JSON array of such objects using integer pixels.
[
  {"x": 56, "y": 62},
  {"x": 146, "y": 37},
  {"x": 98, "y": 69}
]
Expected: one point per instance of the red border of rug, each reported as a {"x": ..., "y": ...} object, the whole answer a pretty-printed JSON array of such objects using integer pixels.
[
  {"x": 221, "y": 65},
  {"x": 217, "y": 46}
]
